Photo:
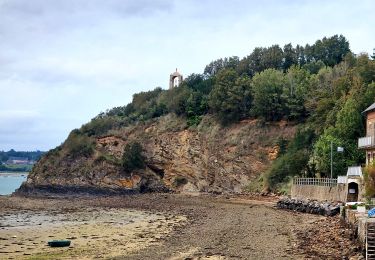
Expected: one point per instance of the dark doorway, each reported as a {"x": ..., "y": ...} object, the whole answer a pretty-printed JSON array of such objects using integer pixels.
[{"x": 352, "y": 192}]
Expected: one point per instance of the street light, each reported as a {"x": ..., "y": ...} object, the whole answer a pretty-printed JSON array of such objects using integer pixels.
[{"x": 339, "y": 150}]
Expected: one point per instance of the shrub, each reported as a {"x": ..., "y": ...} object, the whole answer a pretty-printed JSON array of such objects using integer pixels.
[
  {"x": 99, "y": 126},
  {"x": 290, "y": 164},
  {"x": 133, "y": 158},
  {"x": 79, "y": 145},
  {"x": 108, "y": 158},
  {"x": 179, "y": 181},
  {"x": 369, "y": 178}
]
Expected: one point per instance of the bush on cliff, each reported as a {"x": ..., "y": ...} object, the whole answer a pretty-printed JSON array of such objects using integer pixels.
[
  {"x": 133, "y": 158},
  {"x": 79, "y": 144},
  {"x": 291, "y": 163}
]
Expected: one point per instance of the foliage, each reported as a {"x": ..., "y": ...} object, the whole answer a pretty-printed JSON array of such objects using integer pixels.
[
  {"x": 99, "y": 126},
  {"x": 287, "y": 165},
  {"x": 196, "y": 106},
  {"x": 30, "y": 155},
  {"x": 176, "y": 99},
  {"x": 215, "y": 66},
  {"x": 133, "y": 158},
  {"x": 293, "y": 162},
  {"x": 108, "y": 158},
  {"x": 369, "y": 178},
  {"x": 295, "y": 92},
  {"x": 230, "y": 97},
  {"x": 78, "y": 144},
  {"x": 267, "y": 90},
  {"x": 179, "y": 181}
]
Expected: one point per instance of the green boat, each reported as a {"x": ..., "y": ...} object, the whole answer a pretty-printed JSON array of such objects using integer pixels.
[{"x": 59, "y": 243}]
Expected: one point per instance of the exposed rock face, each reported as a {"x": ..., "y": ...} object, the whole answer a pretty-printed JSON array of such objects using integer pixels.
[{"x": 209, "y": 158}]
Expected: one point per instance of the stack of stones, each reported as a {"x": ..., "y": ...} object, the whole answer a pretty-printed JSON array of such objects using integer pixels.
[{"x": 310, "y": 206}]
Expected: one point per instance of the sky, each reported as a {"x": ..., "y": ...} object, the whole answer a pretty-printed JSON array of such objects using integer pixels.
[{"x": 62, "y": 62}]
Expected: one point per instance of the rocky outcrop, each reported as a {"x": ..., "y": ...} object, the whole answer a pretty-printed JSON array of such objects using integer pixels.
[
  {"x": 208, "y": 158},
  {"x": 310, "y": 206}
]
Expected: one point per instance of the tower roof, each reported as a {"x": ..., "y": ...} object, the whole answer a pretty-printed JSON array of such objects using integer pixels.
[
  {"x": 176, "y": 73},
  {"x": 370, "y": 108}
]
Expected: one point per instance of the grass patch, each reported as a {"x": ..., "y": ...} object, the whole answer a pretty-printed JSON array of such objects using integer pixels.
[{"x": 255, "y": 185}]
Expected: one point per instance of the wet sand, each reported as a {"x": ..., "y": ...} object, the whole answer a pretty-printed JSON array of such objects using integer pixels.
[
  {"x": 153, "y": 226},
  {"x": 95, "y": 232}
]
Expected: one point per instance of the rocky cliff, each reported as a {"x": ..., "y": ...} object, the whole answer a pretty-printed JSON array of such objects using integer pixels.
[{"x": 208, "y": 158}]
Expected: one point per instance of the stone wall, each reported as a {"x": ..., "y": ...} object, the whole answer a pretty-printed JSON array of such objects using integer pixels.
[
  {"x": 310, "y": 206},
  {"x": 320, "y": 193}
]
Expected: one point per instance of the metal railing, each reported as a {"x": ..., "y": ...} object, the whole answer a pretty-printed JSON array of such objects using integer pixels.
[
  {"x": 326, "y": 182},
  {"x": 367, "y": 141}
]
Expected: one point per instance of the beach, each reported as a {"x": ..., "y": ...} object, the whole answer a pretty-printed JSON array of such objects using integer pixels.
[{"x": 158, "y": 226}]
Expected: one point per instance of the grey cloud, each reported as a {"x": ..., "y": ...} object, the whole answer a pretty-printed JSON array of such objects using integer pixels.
[{"x": 38, "y": 8}]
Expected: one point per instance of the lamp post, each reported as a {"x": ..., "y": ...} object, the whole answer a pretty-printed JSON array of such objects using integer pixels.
[
  {"x": 340, "y": 150},
  {"x": 331, "y": 159}
]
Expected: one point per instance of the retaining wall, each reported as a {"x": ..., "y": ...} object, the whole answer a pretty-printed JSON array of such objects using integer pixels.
[{"x": 320, "y": 193}]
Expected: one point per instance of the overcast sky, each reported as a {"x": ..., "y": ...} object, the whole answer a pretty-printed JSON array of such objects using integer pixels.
[{"x": 64, "y": 61}]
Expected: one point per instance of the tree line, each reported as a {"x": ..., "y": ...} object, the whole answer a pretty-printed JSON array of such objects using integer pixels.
[{"x": 30, "y": 155}]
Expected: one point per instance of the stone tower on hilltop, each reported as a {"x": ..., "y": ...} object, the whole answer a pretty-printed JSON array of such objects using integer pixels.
[{"x": 175, "y": 79}]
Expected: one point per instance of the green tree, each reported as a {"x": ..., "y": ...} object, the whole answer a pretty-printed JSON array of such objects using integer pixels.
[
  {"x": 196, "y": 106},
  {"x": 300, "y": 53},
  {"x": 347, "y": 129},
  {"x": 230, "y": 97},
  {"x": 272, "y": 58},
  {"x": 293, "y": 162},
  {"x": 366, "y": 68},
  {"x": 255, "y": 63},
  {"x": 314, "y": 66},
  {"x": 295, "y": 92},
  {"x": 330, "y": 50},
  {"x": 200, "y": 83},
  {"x": 290, "y": 57},
  {"x": 322, "y": 154},
  {"x": 176, "y": 98},
  {"x": 349, "y": 122},
  {"x": 216, "y": 66},
  {"x": 267, "y": 89},
  {"x": 133, "y": 158}
]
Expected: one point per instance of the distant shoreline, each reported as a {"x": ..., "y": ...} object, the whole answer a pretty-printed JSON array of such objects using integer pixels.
[{"x": 2, "y": 174}]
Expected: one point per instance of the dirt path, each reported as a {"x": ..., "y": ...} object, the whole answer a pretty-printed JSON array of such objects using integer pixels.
[{"x": 215, "y": 227}]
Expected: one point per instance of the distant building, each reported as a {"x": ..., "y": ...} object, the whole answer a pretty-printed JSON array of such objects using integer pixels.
[
  {"x": 18, "y": 160},
  {"x": 175, "y": 79}
]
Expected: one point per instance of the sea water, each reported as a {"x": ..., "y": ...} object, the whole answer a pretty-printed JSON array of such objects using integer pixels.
[{"x": 9, "y": 182}]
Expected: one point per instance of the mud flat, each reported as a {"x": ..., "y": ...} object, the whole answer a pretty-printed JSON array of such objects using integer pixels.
[
  {"x": 161, "y": 226},
  {"x": 95, "y": 232}
]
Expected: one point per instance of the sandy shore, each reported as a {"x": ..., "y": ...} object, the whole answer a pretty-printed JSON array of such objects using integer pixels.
[{"x": 155, "y": 226}]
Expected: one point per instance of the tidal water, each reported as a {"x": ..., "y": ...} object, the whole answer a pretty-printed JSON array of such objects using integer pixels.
[{"x": 9, "y": 182}]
